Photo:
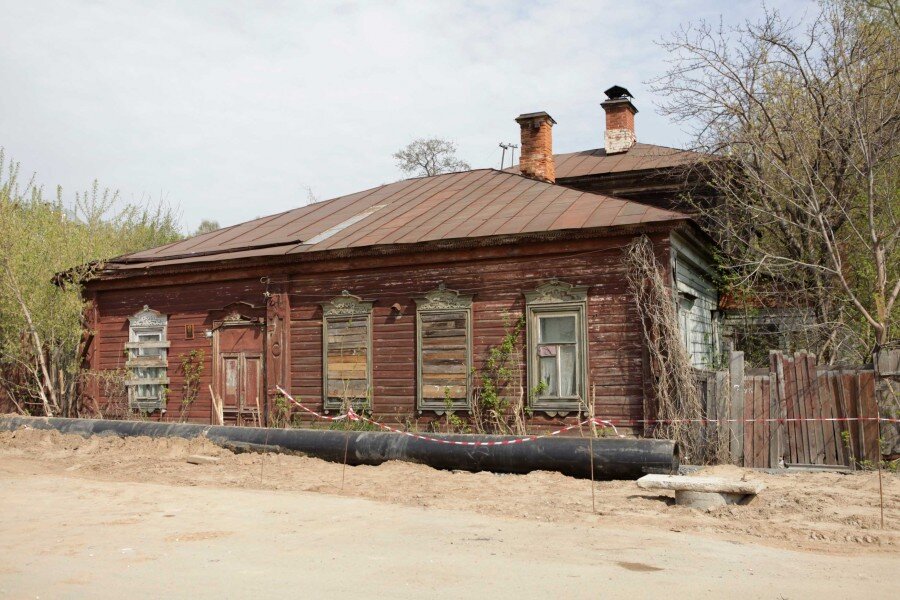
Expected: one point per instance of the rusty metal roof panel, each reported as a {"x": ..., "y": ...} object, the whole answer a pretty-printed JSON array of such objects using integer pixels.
[
  {"x": 467, "y": 208},
  {"x": 397, "y": 204},
  {"x": 469, "y": 204},
  {"x": 406, "y": 226},
  {"x": 481, "y": 220},
  {"x": 638, "y": 158},
  {"x": 518, "y": 213}
]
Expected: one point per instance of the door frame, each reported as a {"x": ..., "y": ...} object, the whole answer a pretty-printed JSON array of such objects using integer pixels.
[
  {"x": 235, "y": 318},
  {"x": 243, "y": 405}
]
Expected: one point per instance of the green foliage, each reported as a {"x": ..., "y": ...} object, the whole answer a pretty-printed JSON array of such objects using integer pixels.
[
  {"x": 502, "y": 373},
  {"x": 41, "y": 323},
  {"x": 455, "y": 424},
  {"x": 500, "y": 368},
  {"x": 207, "y": 226},
  {"x": 539, "y": 389},
  {"x": 280, "y": 415},
  {"x": 363, "y": 408}
]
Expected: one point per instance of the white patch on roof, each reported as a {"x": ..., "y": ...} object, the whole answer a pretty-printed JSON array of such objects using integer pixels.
[{"x": 344, "y": 225}]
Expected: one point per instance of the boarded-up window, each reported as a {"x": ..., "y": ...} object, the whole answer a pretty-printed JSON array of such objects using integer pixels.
[
  {"x": 557, "y": 347},
  {"x": 347, "y": 328},
  {"x": 444, "y": 350},
  {"x": 147, "y": 350}
]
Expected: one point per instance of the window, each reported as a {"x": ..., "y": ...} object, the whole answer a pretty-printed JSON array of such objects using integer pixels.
[
  {"x": 557, "y": 348},
  {"x": 147, "y": 362},
  {"x": 346, "y": 356},
  {"x": 444, "y": 363}
]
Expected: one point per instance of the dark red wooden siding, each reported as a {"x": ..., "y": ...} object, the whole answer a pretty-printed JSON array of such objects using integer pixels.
[{"x": 497, "y": 277}]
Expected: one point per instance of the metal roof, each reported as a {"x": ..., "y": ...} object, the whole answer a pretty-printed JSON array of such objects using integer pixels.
[
  {"x": 464, "y": 205},
  {"x": 637, "y": 158}
]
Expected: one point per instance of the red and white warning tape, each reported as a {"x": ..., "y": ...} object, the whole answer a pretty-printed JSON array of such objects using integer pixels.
[
  {"x": 611, "y": 423},
  {"x": 354, "y": 416},
  {"x": 629, "y": 422}
]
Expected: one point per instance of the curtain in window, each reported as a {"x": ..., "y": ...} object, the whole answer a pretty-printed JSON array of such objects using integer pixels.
[
  {"x": 557, "y": 355},
  {"x": 567, "y": 371}
]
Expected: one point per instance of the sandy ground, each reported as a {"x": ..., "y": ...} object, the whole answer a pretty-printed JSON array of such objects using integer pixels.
[{"x": 104, "y": 517}]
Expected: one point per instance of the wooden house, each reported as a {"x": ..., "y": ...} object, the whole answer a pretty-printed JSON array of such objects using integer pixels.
[{"x": 394, "y": 297}]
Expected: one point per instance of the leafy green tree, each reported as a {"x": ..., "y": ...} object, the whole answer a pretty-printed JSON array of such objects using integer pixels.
[
  {"x": 47, "y": 250},
  {"x": 207, "y": 226}
]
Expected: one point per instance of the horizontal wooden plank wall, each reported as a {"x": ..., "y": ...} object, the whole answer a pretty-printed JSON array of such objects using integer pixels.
[
  {"x": 497, "y": 277},
  {"x": 497, "y": 284},
  {"x": 194, "y": 305}
]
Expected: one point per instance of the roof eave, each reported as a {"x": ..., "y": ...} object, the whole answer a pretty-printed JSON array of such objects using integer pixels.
[{"x": 390, "y": 249}]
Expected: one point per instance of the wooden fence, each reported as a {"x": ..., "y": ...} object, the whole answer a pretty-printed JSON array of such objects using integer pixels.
[{"x": 790, "y": 413}]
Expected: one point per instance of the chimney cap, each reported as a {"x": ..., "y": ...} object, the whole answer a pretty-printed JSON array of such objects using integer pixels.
[
  {"x": 534, "y": 115},
  {"x": 616, "y": 92}
]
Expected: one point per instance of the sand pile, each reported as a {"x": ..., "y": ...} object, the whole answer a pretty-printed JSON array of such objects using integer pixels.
[{"x": 814, "y": 511}]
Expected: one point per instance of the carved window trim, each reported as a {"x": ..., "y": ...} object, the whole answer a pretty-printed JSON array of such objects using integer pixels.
[
  {"x": 346, "y": 307},
  {"x": 144, "y": 355},
  {"x": 438, "y": 301},
  {"x": 557, "y": 298}
]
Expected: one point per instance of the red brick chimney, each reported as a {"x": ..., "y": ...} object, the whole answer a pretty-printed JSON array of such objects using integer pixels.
[
  {"x": 620, "y": 113},
  {"x": 536, "y": 158}
]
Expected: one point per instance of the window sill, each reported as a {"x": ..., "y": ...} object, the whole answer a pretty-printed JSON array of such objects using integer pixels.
[
  {"x": 146, "y": 406},
  {"x": 156, "y": 381},
  {"x": 557, "y": 408},
  {"x": 139, "y": 345},
  {"x": 146, "y": 362},
  {"x": 440, "y": 409},
  {"x": 356, "y": 403}
]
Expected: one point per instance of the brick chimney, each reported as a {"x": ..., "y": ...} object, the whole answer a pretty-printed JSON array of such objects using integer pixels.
[
  {"x": 620, "y": 113},
  {"x": 536, "y": 158}
]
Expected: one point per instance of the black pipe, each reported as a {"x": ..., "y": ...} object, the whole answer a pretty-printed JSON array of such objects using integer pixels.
[{"x": 614, "y": 458}]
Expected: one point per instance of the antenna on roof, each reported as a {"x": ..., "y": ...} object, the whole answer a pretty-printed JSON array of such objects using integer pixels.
[{"x": 508, "y": 146}]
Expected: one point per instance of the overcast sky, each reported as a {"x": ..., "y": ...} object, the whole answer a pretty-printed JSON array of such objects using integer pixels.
[{"x": 231, "y": 110}]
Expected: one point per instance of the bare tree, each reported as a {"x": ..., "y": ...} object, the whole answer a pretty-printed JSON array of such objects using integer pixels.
[
  {"x": 429, "y": 156},
  {"x": 802, "y": 124}
]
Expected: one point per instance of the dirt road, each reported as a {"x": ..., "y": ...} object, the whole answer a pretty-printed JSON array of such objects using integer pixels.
[{"x": 130, "y": 518}]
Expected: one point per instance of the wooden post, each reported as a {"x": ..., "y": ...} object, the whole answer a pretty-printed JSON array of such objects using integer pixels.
[
  {"x": 736, "y": 397},
  {"x": 776, "y": 377},
  {"x": 723, "y": 413},
  {"x": 887, "y": 390},
  {"x": 217, "y": 407}
]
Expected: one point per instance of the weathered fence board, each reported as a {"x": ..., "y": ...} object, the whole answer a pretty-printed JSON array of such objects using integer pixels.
[
  {"x": 792, "y": 414},
  {"x": 868, "y": 409},
  {"x": 736, "y": 409},
  {"x": 887, "y": 393}
]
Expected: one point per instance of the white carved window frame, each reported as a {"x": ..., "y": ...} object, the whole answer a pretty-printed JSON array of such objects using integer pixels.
[
  {"x": 438, "y": 301},
  {"x": 343, "y": 308},
  {"x": 557, "y": 298},
  {"x": 147, "y": 360}
]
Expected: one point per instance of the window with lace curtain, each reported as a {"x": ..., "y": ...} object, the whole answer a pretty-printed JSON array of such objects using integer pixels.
[{"x": 557, "y": 347}]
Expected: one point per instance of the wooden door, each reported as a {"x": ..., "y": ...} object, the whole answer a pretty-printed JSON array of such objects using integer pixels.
[{"x": 239, "y": 380}]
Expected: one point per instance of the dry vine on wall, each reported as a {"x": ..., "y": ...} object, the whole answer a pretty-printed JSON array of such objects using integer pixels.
[{"x": 675, "y": 393}]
